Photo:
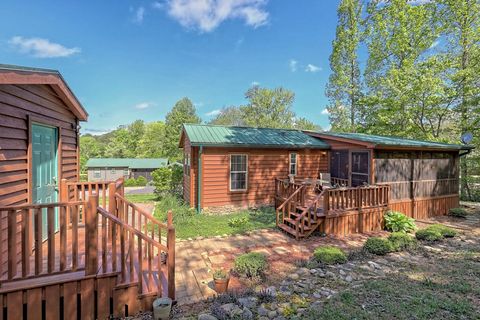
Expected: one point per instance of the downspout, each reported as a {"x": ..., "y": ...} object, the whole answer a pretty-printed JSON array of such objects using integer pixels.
[{"x": 199, "y": 180}]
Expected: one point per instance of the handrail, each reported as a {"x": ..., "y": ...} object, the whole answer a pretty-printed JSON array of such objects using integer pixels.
[
  {"x": 138, "y": 233},
  {"x": 306, "y": 214},
  {"x": 41, "y": 205},
  {"x": 143, "y": 212},
  {"x": 290, "y": 197}
]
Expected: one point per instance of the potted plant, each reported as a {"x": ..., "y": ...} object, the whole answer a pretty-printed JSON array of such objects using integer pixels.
[{"x": 221, "y": 279}]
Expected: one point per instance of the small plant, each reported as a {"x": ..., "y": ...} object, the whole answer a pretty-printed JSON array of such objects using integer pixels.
[
  {"x": 458, "y": 212},
  {"x": 402, "y": 241},
  {"x": 378, "y": 246},
  {"x": 435, "y": 232},
  {"x": 265, "y": 296},
  {"x": 141, "y": 181},
  {"x": 288, "y": 311},
  {"x": 428, "y": 235},
  {"x": 396, "y": 221},
  {"x": 220, "y": 274},
  {"x": 445, "y": 231},
  {"x": 238, "y": 222},
  {"x": 251, "y": 264},
  {"x": 329, "y": 255}
]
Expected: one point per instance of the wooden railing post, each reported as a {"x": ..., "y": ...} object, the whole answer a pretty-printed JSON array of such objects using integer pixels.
[
  {"x": 91, "y": 236},
  {"x": 111, "y": 198},
  {"x": 63, "y": 192},
  {"x": 171, "y": 256}
]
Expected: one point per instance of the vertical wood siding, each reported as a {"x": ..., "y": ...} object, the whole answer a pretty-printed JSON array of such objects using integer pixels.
[
  {"x": 17, "y": 104},
  {"x": 264, "y": 165}
]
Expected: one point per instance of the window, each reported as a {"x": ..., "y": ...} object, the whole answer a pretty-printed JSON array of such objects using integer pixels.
[
  {"x": 125, "y": 172},
  {"x": 293, "y": 164},
  {"x": 96, "y": 174},
  {"x": 238, "y": 172},
  {"x": 360, "y": 168},
  {"x": 187, "y": 164},
  {"x": 113, "y": 171}
]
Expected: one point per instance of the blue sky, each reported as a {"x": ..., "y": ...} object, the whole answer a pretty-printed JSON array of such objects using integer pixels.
[{"x": 128, "y": 60}]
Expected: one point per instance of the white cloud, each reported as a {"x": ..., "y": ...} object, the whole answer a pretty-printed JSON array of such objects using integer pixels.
[
  {"x": 312, "y": 68},
  {"x": 293, "y": 64},
  {"x": 325, "y": 111},
  {"x": 139, "y": 15},
  {"x": 419, "y": 2},
  {"x": 255, "y": 83},
  {"x": 215, "y": 112},
  {"x": 143, "y": 105},
  {"x": 41, "y": 48},
  {"x": 207, "y": 15},
  {"x": 157, "y": 5}
]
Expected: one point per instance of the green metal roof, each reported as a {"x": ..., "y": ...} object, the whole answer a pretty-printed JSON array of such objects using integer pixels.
[
  {"x": 131, "y": 163},
  {"x": 224, "y": 136},
  {"x": 28, "y": 69},
  {"x": 387, "y": 141}
]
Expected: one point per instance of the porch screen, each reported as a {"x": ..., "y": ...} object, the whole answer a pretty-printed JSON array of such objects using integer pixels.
[
  {"x": 359, "y": 168},
  {"x": 238, "y": 172},
  {"x": 339, "y": 164}
]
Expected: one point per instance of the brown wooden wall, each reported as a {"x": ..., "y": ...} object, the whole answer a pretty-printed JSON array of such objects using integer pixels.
[
  {"x": 19, "y": 106},
  {"x": 264, "y": 165}
]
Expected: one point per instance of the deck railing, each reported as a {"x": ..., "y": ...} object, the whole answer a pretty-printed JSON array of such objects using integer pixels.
[
  {"x": 339, "y": 182},
  {"x": 345, "y": 199},
  {"x": 80, "y": 191},
  {"x": 25, "y": 232},
  {"x": 283, "y": 189}
]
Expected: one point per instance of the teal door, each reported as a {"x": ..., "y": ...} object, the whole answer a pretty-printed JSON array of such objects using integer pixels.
[{"x": 44, "y": 169}]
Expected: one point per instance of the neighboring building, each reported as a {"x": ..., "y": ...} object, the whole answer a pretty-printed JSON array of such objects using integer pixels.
[
  {"x": 109, "y": 169},
  {"x": 237, "y": 166}
]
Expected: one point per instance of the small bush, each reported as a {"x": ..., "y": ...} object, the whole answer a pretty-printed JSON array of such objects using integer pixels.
[
  {"x": 428, "y": 235},
  {"x": 238, "y": 222},
  {"x": 402, "y": 241},
  {"x": 329, "y": 255},
  {"x": 130, "y": 182},
  {"x": 251, "y": 264},
  {"x": 398, "y": 222},
  {"x": 378, "y": 246},
  {"x": 141, "y": 181},
  {"x": 444, "y": 230},
  {"x": 458, "y": 212},
  {"x": 220, "y": 274}
]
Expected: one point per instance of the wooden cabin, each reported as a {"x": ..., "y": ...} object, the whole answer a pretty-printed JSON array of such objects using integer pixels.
[
  {"x": 367, "y": 175},
  {"x": 69, "y": 249}
]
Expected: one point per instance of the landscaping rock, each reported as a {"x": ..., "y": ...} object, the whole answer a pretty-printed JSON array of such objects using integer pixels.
[
  {"x": 272, "y": 314},
  {"x": 262, "y": 311},
  {"x": 294, "y": 276},
  {"x": 247, "y": 314},
  {"x": 248, "y": 302},
  {"x": 206, "y": 316}
]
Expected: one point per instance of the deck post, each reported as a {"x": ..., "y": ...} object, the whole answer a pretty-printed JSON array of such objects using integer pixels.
[
  {"x": 63, "y": 191},
  {"x": 171, "y": 256},
  {"x": 91, "y": 235},
  {"x": 360, "y": 213},
  {"x": 111, "y": 198}
]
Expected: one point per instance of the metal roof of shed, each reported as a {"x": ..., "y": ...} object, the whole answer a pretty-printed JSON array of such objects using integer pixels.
[
  {"x": 132, "y": 163},
  {"x": 388, "y": 141},
  {"x": 226, "y": 136}
]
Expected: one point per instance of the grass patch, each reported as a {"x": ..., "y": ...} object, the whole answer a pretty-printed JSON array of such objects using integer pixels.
[
  {"x": 135, "y": 198},
  {"x": 189, "y": 224},
  {"x": 251, "y": 265},
  {"x": 435, "y": 232}
]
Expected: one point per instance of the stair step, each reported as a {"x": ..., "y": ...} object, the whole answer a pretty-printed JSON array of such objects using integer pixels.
[
  {"x": 288, "y": 229},
  {"x": 292, "y": 221}
]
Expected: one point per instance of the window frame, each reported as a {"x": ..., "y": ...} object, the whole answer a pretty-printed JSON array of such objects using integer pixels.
[
  {"x": 230, "y": 172},
  {"x": 97, "y": 174},
  {"x": 113, "y": 170},
  {"x": 187, "y": 166},
  {"x": 125, "y": 172},
  {"x": 290, "y": 163},
  {"x": 369, "y": 159}
]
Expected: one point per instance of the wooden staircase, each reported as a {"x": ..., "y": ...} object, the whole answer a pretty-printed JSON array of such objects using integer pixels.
[{"x": 301, "y": 213}]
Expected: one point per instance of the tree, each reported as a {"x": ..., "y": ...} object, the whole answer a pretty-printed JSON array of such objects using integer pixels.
[
  {"x": 90, "y": 148},
  {"x": 399, "y": 71},
  {"x": 229, "y": 116},
  {"x": 344, "y": 85},
  {"x": 269, "y": 108},
  {"x": 182, "y": 112},
  {"x": 305, "y": 124},
  {"x": 168, "y": 180},
  {"x": 462, "y": 31},
  {"x": 152, "y": 143}
]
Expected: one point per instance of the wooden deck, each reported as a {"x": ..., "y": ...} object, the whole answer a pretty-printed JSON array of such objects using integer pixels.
[
  {"x": 105, "y": 259},
  {"x": 303, "y": 208}
]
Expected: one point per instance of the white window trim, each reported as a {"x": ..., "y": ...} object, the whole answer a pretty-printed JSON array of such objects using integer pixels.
[
  {"x": 230, "y": 172},
  {"x": 97, "y": 173},
  {"x": 290, "y": 163}
]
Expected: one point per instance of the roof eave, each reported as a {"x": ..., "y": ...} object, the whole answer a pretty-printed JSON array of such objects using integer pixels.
[
  {"x": 260, "y": 146},
  {"x": 10, "y": 75}
]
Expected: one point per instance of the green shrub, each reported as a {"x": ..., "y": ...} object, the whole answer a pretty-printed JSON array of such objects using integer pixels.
[
  {"x": 428, "y": 235},
  {"x": 238, "y": 222},
  {"x": 378, "y": 246},
  {"x": 444, "y": 230},
  {"x": 130, "y": 182},
  {"x": 458, "y": 212},
  {"x": 251, "y": 264},
  {"x": 182, "y": 212},
  {"x": 402, "y": 241},
  {"x": 141, "y": 181},
  {"x": 168, "y": 180},
  {"x": 396, "y": 221},
  {"x": 329, "y": 255}
]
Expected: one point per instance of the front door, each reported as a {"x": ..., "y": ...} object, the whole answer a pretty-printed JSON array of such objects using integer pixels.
[{"x": 44, "y": 169}]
